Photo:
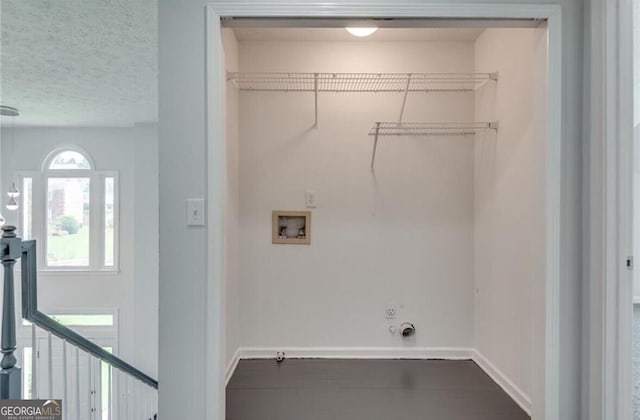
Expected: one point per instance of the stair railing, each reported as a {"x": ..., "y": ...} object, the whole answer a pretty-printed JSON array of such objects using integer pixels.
[{"x": 132, "y": 394}]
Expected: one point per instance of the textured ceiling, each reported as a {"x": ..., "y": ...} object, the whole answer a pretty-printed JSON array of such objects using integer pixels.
[
  {"x": 94, "y": 62},
  {"x": 339, "y": 34},
  {"x": 79, "y": 62}
]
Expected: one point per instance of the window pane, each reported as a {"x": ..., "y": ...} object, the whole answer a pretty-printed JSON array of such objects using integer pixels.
[
  {"x": 27, "y": 208},
  {"x": 68, "y": 222},
  {"x": 109, "y": 194},
  {"x": 84, "y": 320},
  {"x": 70, "y": 160},
  {"x": 97, "y": 320}
]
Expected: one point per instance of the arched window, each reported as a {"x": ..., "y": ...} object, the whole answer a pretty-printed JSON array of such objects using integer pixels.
[
  {"x": 76, "y": 222},
  {"x": 69, "y": 159}
]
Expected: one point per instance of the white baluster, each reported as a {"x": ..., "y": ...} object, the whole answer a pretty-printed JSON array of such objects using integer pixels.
[
  {"x": 90, "y": 385},
  {"x": 110, "y": 391},
  {"x": 77, "y": 383},
  {"x": 147, "y": 403},
  {"x": 120, "y": 396},
  {"x": 128, "y": 394},
  {"x": 50, "y": 364},
  {"x": 34, "y": 363},
  {"x": 97, "y": 389},
  {"x": 65, "y": 414},
  {"x": 136, "y": 399}
]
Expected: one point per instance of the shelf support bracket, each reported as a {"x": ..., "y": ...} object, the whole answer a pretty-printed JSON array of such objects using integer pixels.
[
  {"x": 315, "y": 90},
  {"x": 375, "y": 145},
  {"x": 404, "y": 99}
]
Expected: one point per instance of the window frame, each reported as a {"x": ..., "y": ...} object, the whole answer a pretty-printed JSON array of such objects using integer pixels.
[{"x": 97, "y": 213}]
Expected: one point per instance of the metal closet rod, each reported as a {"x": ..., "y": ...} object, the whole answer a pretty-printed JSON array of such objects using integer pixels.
[{"x": 448, "y": 128}]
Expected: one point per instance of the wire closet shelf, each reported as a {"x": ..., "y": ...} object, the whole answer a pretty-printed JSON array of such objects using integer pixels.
[
  {"x": 387, "y": 128},
  {"x": 429, "y": 128},
  {"x": 360, "y": 82}
]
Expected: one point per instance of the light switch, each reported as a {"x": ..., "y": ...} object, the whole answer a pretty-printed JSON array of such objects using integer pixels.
[
  {"x": 310, "y": 199},
  {"x": 195, "y": 212}
]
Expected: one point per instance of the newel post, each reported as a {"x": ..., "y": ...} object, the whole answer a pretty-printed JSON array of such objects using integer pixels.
[{"x": 10, "y": 374}]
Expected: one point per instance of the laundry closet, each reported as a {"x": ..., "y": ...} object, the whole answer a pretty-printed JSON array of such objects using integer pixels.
[{"x": 382, "y": 183}]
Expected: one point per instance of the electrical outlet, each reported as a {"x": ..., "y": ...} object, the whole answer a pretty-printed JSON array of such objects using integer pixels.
[{"x": 391, "y": 311}]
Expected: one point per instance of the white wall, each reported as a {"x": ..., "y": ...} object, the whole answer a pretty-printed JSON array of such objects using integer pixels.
[
  {"x": 133, "y": 291},
  {"x": 386, "y": 237},
  {"x": 509, "y": 202},
  {"x": 183, "y": 391},
  {"x": 182, "y": 140},
  {"x": 146, "y": 244}
]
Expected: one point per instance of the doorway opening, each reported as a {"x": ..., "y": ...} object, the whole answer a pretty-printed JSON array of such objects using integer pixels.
[{"x": 424, "y": 156}]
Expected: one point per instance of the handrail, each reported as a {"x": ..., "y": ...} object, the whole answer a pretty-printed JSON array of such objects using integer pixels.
[{"x": 30, "y": 313}]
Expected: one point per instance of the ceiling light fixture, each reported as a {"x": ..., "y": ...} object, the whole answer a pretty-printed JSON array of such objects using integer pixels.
[
  {"x": 12, "y": 204},
  {"x": 361, "y": 31},
  {"x": 14, "y": 192}
]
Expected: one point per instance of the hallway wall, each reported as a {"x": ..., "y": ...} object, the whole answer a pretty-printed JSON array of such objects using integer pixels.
[{"x": 133, "y": 290}]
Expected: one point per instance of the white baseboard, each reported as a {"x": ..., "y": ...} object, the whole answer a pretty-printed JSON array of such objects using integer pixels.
[
  {"x": 358, "y": 353},
  {"x": 420, "y": 353},
  {"x": 521, "y": 398},
  {"x": 231, "y": 367},
  {"x": 636, "y": 300}
]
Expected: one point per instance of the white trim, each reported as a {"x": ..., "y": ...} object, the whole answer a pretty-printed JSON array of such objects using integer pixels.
[
  {"x": 419, "y": 353},
  {"x": 553, "y": 181},
  {"x": 636, "y": 300},
  {"x": 625, "y": 123},
  {"x": 516, "y": 394},
  {"x": 611, "y": 206},
  {"x": 395, "y": 353},
  {"x": 215, "y": 184},
  {"x": 231, "y": 367},
  {"x": 403, "y": 8},
  {"x": 216, "y": 164}
]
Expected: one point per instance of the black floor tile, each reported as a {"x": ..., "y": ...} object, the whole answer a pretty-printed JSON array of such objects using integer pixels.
[{"x": 366, "y": 390}]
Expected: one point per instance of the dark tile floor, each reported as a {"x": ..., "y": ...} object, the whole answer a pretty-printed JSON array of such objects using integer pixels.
[{"x": 321, "y": 389}]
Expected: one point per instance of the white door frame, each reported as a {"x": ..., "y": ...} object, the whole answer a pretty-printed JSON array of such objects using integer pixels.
[
  {"x": 611, "y": 210},
  {"x": 216, "y": 165}
]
